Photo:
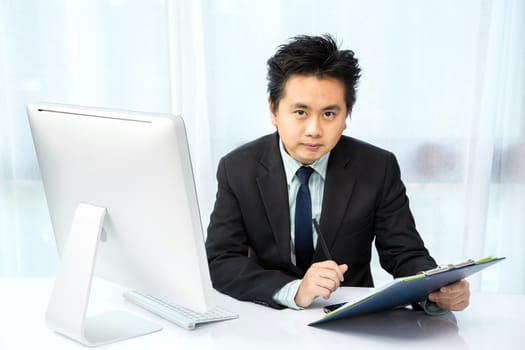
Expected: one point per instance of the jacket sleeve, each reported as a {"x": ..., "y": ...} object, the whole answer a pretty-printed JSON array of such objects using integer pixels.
[
  {"x": 400, "y": 248},
  {"x": 233, "y": 271}
]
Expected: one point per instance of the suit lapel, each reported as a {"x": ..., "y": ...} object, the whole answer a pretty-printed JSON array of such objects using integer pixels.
[
  {"x": 337, "y": 192},
  {"x": 274, "y": 193},
  {"x": 272, "y": 185}
]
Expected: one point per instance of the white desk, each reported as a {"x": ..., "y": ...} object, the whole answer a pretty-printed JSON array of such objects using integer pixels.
[{"x": 492, "y": 321}]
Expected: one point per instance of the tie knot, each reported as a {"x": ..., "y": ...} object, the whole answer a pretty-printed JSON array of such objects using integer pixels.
[{"x": 303, "y": 174}]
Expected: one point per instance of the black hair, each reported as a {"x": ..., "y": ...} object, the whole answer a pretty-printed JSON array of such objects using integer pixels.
[{"x": 318, "y": 56}]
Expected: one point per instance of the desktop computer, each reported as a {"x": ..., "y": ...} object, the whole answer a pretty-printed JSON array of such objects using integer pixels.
[{"x": 123, "y": 205}]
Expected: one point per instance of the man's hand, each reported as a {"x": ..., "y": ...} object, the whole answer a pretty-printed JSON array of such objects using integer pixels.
[
  {"x": 320, "y": 280},
  {"x": 454, "y": 297}
]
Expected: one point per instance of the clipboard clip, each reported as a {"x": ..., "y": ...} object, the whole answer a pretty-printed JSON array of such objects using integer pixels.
[{"x": 444, "y": 268}]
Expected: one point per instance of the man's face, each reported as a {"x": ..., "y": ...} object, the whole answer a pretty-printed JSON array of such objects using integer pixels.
[{"x": 311, "y": 116}]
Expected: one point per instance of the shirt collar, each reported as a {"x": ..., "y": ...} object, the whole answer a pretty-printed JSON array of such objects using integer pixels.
[{"x": 291, "y": 165}]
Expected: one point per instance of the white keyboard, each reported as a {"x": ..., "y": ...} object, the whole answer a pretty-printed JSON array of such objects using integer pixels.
[{"x": 179, "y": 315}]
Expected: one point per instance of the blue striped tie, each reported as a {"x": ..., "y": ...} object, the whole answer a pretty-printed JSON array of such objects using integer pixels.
[{"x": 304, "y": 247}]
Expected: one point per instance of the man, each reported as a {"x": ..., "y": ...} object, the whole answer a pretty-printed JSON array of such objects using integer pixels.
[{"x": 261, "y": 244}]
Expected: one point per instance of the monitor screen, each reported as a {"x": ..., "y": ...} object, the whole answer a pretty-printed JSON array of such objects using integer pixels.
[{"x": 137, "y": 167}]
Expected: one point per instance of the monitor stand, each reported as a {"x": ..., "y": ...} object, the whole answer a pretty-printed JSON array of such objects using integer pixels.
[{"x": 66, "y": 311}]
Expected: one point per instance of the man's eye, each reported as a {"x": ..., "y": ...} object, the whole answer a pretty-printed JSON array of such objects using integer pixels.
[
  {"x": 300, "y": 113},
  {"x": 329, "y": 115}
]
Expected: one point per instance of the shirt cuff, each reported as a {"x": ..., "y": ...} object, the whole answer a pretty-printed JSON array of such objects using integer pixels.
[
  {"x": 286, "y": 295},
  {"x": 431, "y": 308}
]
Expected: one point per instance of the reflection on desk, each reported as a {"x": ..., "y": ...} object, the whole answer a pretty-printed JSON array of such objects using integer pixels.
[
  {"x": 491, "y": 321},
  {"x": 401, "y": 323},
  {"x": 402, "y": 326}
]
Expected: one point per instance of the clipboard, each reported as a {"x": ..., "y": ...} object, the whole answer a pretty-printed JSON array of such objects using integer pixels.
[{"x": 408, "y": 290}]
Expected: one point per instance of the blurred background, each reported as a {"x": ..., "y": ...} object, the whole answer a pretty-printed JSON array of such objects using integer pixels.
[{"x": 443, "y": 87}]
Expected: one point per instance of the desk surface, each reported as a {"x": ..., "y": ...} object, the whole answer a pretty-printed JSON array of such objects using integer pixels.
[{"x": 492, "y": 321}]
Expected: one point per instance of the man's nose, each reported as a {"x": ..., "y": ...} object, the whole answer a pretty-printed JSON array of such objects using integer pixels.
[{"x": 313, "y": 126}]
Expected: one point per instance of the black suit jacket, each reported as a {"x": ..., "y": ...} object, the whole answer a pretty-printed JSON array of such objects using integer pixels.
[{"x": 248, "y": 242}]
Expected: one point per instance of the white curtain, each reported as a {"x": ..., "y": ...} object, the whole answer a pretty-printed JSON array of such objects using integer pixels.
[
  {"x": 189, "y": 93},
  {"x": 442, "y": 87}
]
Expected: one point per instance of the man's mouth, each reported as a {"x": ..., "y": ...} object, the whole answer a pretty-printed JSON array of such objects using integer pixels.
[{"x": 312, "y": 146}]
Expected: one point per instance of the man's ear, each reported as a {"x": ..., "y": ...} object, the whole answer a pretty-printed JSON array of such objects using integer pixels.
[{"x": 271, "y": 107}]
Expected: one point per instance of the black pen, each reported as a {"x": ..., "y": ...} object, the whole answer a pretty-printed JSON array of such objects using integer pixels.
[{"x": 324, "y": 247}]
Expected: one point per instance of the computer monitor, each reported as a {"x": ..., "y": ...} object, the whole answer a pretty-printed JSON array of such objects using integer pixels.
[{"x": 123, "y": 205}]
